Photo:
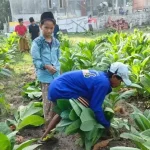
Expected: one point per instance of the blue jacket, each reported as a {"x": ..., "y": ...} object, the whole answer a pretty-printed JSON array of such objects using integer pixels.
[
  {"x": 89, "y": 84},
  {"x": 44, "y": 53}
]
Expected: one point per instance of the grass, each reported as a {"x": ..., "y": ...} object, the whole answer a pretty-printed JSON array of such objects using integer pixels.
[
  {"x": 24, "y": 60},
  {"x": 22, "y": 64},
  {"x": 82, "y": 37}
]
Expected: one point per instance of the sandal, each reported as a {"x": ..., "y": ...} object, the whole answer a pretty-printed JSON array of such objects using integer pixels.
[{"x": 49, "y": 140}]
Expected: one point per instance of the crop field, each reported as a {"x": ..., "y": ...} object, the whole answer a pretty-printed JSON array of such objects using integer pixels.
[{"x": 127, "y": 108}]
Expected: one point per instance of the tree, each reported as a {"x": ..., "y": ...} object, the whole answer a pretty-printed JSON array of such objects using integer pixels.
[{"x": 5, "y": 15}]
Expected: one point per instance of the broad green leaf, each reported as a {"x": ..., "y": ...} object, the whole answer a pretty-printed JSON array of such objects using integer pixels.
[
  {"x": 127, "y": 94},
  {"x": 60, "y": 129},
  {"x": 73, "y": 116},
  {"x": 107, "y": 103},
  {"x": 92, "y": 134},
  {"x": 133, "y": 85},
  {"x": 64, "y": 123},
  {"x": 141, "y": 121},
  {"x": 57, "y": 110},
  {"x": 12, "y": 138},
  {"x": 99, "y": 126},
  {"x": 97, "y": 137},
  {"x": 29, "y": 110},
  {"x": 145, "y": 81},
  {"x": 145, "y": 134},
  {"x": 80, "y": 105},
  {"x": 63, "y": 104},
  {"x": 6, "y": 72},
  {"x": 34, "y": 94},
  {"x": 11, "y": 135},
  {"x": 88, "y": 144},
  {"x": 33, "y": 120},
  {"x": 38, "y": 104},
  {"x": 118, "y": 123},
  {"x": 65, "y": 114},
  {"x": 87, "y": 125},
  {"x": 24, "y": 145},
  {"x": 145, "y": 61},
  {"x": 92, "y": 45},
  {"x": 87, "y": 114},
  {"x": 88, "y": 120},
  {"x": 132, "y": 137},
  {"x": 4, "y": 142},
  {"x": 30, "y": 95},
  {"x": 11, "y": 122},
  {"x": 147, "y": 144},
  {"x": 113, "y": 95},
  {"x": 140, "y": 145},
  {"x": 134, "y": 131},
  {"x": 73, "y": 128},
  {"x": 4, "y": 128},
  {"x": 147, "y": 114},
  {"x": 76, "y": 108},
  {"x": 123, "y": 148}
]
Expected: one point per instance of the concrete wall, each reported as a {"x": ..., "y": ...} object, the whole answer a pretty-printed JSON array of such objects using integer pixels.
[
  {"x": 33, "y": 7},
  {"x": 72, "y": 8}
]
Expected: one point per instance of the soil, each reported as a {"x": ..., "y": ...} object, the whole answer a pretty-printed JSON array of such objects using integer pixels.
[{"x": 13, "y": 88}]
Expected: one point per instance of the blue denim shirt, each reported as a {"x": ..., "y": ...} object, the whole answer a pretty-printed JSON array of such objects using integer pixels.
[{"x": 43, "y": 54}]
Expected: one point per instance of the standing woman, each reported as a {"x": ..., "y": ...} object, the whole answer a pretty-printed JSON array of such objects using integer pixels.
[
  {"x": 21, "y": 30},
  {"x": 45, "y": 54}
]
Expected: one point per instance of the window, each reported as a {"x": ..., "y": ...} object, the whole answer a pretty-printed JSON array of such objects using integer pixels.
[
  {"x": 61, "y": 3},
  {"x": 50, "y": 3}
]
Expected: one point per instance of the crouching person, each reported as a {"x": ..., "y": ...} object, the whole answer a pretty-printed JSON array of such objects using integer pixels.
[{"x": 87, "y": 85}]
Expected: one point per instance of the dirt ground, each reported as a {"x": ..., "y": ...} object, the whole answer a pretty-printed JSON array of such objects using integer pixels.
[{"x": 13, "y": 87}]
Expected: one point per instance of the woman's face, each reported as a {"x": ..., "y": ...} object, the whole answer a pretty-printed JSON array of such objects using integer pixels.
[{"x": 47, "y": 28}]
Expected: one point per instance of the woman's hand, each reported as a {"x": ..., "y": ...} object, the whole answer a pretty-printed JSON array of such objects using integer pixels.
[{"x": 51, "y": 69}]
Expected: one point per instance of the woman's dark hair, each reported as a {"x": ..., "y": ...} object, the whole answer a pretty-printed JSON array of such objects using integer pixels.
[
  {"x": 48, "y": 19},
  {"x": 47, "y": 16},
  {"x": 110, "y": 74}
]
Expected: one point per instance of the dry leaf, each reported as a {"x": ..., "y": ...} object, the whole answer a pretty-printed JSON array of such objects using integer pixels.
[
  {"x": 120, "y": 109},
  {"x": 12, "y": 127},
  {"x": 101, "y": 144}
]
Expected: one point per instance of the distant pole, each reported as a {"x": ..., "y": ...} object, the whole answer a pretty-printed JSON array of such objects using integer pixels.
[{"x": 11, "y": 9}]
